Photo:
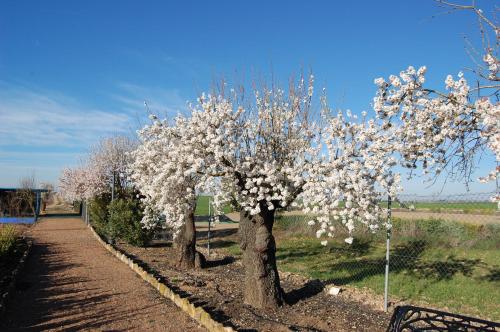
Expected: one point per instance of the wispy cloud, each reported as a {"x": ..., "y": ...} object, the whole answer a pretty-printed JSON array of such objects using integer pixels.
[
  {"x": 34, "y": 117},
  {"x": 163, "y": 102},
  {"x": 38, "y": 158},
  {"x": 43, "y": 131}
]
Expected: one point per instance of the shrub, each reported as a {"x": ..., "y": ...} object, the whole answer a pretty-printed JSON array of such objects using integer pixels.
[
  {"x": 125, "y": 219},
  {"x": 98, "y": 211},
  {"x": 447, "y": 233},
  {"x": 8, "y": 236}
]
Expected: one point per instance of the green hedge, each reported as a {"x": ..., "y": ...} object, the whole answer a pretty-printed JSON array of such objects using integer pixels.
[
  {"x": 119, "y": 219},
  {"x": 125, "y": 217}
]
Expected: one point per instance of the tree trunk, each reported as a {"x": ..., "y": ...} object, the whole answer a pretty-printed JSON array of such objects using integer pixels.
[
  {"x": 185, "y": 243},
  {"x": 262, "y": 283}
]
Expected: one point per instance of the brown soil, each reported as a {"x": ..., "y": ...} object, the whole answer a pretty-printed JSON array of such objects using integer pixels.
[
  {"x": 218, "y": 288},
  {"x": 70, "y": 282},
  {"x": 10, "y": 261}
]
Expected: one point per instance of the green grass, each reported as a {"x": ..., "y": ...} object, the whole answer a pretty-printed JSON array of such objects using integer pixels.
[
  {"x": 433, "y": 262},
  {"x": 202, "y": 206},
  {"x": 463, "y": 280}
]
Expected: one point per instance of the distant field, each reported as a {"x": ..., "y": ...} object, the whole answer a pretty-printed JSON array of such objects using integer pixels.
[
  {"x": 462, "y": 207},
  {"x": 465, "y": 207}
]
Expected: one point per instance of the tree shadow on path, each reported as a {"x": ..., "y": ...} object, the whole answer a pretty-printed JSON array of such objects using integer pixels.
[{"x": 49, "y": 296}]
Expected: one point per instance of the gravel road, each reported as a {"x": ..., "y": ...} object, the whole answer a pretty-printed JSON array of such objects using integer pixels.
[{"x": 70, "y": 282}]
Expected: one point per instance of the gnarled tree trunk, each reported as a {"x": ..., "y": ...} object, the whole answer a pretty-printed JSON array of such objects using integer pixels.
[
  {"x": 185, "y": 243},
  {"x": 262, "y": 283}
]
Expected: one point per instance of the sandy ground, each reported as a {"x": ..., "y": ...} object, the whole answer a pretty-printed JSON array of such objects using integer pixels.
[{"x": 72, "y": 283}]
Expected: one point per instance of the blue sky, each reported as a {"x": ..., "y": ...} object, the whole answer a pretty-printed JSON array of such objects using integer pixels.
[{"x": 72, "y": 72}]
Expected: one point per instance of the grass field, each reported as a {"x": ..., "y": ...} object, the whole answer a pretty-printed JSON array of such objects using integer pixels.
[
  {"x": 202, "y": 206},
  {"x": 445, "y": 264}
]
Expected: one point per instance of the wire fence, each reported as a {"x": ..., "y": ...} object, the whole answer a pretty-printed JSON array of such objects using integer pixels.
[
  {"x": 445, "y": 251},
  {"x": 442, "y": 251}
]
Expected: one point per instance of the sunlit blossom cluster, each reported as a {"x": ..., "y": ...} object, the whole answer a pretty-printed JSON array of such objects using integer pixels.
[
  {"x": 437, "y": 130},
  {"x": 346, "y": 185},
  {"x": 160, "y": 171}
]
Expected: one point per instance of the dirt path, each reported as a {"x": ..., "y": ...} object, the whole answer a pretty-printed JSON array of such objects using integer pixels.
[{"x": 72, "y": 283}]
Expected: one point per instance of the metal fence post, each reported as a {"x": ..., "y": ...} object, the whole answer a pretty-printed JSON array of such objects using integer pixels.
[
  {"x": 37, "y": 204},
  {"x": 87, "y": 213},
  {"x": 209, "y": 220},
  {"x": 388, "y": 246},
  {"x": 498, "y": 185},
  {"x": 113, "y": 188}
]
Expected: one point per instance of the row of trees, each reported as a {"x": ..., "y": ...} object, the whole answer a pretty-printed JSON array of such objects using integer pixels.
[
  {"x": 276, "y": 150},
  {"x": 102, "y": 181}
]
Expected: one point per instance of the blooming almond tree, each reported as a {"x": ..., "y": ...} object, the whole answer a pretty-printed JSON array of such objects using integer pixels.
[
  {"x": 267, "y": 154},
  {"x": 259, "y": 152},
  {"x": 106, "y": 162},
  {"x": 161, "y": 170},
  {"x": 111, "y": 157},
  {"x": 263, "y": 156},
  {"x": 82, "y": 183}
]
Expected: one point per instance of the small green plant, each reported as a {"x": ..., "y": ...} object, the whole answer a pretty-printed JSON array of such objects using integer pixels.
[
  {"x": 119, "y": 219},
  {"x": 8, "y": 237}
]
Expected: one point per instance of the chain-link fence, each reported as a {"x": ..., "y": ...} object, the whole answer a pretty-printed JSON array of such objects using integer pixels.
[{"x": 443, "y": 251}]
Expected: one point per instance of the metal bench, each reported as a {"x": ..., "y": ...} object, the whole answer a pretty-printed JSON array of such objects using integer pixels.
[{"x": 417, "y": 319}]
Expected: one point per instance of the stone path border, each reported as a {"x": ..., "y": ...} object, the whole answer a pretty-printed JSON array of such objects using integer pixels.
[
  {"x": 197, "y": 313},
  {"x": 4, "y": 299}
]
